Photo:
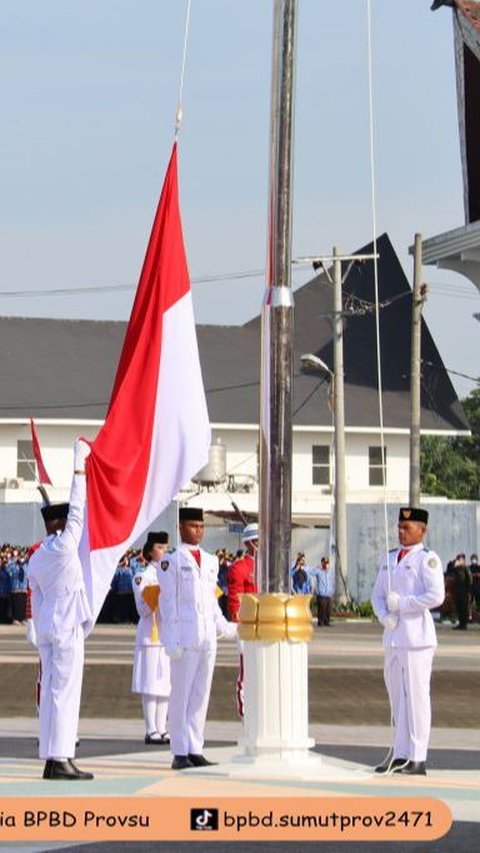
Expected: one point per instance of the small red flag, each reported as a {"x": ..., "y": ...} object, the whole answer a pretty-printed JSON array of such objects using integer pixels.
[{"x": 41, "y": 470}]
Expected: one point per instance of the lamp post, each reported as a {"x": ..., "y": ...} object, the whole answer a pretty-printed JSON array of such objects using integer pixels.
[{"x": 313, "y": 362}]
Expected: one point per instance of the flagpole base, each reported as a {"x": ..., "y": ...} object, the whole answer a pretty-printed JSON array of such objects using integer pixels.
[{"x": 276, "y": 699}]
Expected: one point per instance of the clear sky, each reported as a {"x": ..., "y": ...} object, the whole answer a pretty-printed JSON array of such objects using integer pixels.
[{"x": 88, "y": 92}]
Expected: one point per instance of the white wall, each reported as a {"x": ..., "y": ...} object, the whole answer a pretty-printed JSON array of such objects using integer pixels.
[{"x": 57, "y": 442}]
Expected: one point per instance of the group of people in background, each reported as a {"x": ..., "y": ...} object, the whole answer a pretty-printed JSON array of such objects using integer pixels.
[
  {"x": 462, "y": 586},
  {"x": 462, "y": 589},
  {"x": 13, "y": 583},
  {"x": 318, "y": 581}
]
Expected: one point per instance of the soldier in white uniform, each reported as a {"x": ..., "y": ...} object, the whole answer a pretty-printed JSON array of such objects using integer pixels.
[
  {"x": 151, "y": 665},
  {"x": 62, "y": 616},
  {"x": 191, "y": 619},
  {"x": 404, "y": 592}
]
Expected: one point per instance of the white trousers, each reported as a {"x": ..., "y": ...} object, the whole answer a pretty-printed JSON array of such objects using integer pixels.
[
  {"x": 191, "y": 680},
  {"x": 407, "y": 675},
  {"x": 154, "y": 713},
  {"x": 62, "y": 673}
]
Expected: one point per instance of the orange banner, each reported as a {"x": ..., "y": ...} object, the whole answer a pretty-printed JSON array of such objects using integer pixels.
[{"x": 224, "y": 819}]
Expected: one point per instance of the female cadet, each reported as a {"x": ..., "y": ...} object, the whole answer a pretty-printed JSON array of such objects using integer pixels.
[{"x": 151, "y": 666}]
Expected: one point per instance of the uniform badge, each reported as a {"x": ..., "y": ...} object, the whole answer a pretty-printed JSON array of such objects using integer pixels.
[
  {"x": 432, "y": 563},
  {"x": 137, "y": 579},
  {"x": 164, "y": 565}
]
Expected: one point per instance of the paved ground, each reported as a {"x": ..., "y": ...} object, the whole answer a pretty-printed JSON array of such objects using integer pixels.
[
  {"x": 349, "y": 720},
  {"x": 345, "y": 676},
  {"x": 124, "y": 766}
]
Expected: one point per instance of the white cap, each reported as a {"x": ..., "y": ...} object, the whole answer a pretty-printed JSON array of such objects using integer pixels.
[{"x": 250, "y": 532}]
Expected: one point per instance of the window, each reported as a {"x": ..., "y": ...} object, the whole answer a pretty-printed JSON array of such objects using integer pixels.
[
  {"x": 25, "y": 460},
  {"x": 377, "y": 473},
  {"x": 321, "y": 465}
]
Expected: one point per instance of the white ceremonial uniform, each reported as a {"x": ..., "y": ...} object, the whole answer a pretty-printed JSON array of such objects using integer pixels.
[
  {"x": 62, "y": 617},
  {"x": 151, "y": 665},
  {"x": 409, "y": 648},
  {"x": 191, "y": 619}
]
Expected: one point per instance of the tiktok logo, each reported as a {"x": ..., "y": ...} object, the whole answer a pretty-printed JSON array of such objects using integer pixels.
[{"x": 204, "y": 819}]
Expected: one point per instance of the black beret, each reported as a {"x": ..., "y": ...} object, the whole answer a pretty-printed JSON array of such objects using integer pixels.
[
  {"x": 160, "y": 538},
  {"x": 411, "y": 513},
  {"x": 190, "y": 513},
  {"x": 54, "y": 512}
]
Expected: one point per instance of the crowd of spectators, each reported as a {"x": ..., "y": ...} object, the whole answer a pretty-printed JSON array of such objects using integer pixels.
[
  {"x": 461, "y": 605},
  {"x": 13, "y": 583},
  {"x": 462, "y": 591}
]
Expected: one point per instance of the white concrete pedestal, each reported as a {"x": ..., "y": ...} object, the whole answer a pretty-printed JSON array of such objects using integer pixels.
[
  {"x": 275, "y": 741},
  {"x": 276, "y": 699}
]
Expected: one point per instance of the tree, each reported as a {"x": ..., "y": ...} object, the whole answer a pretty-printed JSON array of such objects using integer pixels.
[{"x": 451, "y": 466}]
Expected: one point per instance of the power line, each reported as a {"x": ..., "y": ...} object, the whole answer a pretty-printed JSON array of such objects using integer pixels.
[{"x": 111, "y": 288}]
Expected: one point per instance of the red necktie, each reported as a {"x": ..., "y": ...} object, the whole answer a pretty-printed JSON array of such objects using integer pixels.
[
  {"x": 196, "y": 556},
  {"x": 402, "y": 553}
]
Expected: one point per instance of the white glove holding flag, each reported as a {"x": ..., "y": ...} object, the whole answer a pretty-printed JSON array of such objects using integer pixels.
[
  {"x": 393, "y": 602},
  {"x": 174, "y": 652},
  {"x": 390, "y": 621},
  {"x": 81, "y": 450}
]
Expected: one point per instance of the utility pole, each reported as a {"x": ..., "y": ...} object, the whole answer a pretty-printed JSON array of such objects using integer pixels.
[
  {"x": 337, "y": 376},
  {"x": 418, "y": 298},
  {"x": 339, "y": 435}
]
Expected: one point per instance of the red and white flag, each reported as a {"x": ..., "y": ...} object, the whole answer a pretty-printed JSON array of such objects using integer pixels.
[
  {"x": 156, "y": 434},
  {"x": 42, "y": 474}
]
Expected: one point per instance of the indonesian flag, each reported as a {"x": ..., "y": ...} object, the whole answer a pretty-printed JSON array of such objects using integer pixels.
[
  {"x": 156, "y": 434},
  {"x": 37, "y": 453}
]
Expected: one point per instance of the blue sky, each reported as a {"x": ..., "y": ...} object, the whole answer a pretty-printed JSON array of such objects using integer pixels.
[{"x": 88, "y": 92}]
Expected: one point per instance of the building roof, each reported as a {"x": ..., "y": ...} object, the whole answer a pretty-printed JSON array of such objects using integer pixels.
[{"x": 65, "y": 368}]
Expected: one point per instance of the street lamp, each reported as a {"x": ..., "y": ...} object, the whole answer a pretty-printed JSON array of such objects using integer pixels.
[
  {"x": 312, "y": 362},
  {"x": 309, "y": 360}
]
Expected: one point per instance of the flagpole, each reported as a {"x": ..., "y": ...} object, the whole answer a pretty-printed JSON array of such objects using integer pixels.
[
  {"x": 276, "y": 626},
  {"x": 277, "y": 319}
]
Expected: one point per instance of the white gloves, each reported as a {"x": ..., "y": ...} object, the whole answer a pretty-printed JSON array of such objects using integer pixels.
[
  {"x": 31, "y": 633},
  {"x": 231, "y": 632},
  {"x": 393, "y": 601},
  {"x": 174, "y": 652},
  {"x": 390, "y": 621},
  {"x": 80, "y": 452}
]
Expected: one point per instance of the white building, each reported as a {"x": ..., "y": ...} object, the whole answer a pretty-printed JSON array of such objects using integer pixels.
[{"x": 61, "y": 372}]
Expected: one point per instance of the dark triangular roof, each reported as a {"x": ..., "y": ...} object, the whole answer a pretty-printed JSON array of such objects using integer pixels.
[
  {"x": 65, "y": 369},
  {"x": 230, "y": 360}
]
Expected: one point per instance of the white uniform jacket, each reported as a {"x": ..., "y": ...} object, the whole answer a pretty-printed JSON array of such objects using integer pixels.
[
  {"x": 59, "y": 599},
  {"x": 189, "y": 610},
  {"x": 418, "y": 580},
  {"x": 142, "y": 579}
]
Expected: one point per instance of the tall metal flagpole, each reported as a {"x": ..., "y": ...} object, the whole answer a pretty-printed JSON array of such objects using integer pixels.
[
  {"x": 275, "y": 626},
  {"x": 277, "y": 320}
]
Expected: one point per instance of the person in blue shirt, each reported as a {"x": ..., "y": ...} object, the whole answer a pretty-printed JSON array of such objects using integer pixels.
[
  {"x": 323, "y": 577},
  {"x": 18, "y": 589},
  {"x": 5, "y": 588},
  {"x": 300, "y": 578},
  {"x": 122, "y": 586}
]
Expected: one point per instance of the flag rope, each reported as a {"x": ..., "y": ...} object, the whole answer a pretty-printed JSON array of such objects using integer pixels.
[
  {"x": 179, "y": 110},
  {"x": 375, "y": 278}
]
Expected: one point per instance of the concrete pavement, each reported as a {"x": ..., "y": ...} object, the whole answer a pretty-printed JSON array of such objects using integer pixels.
[{"x": 349, "y": 721}]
